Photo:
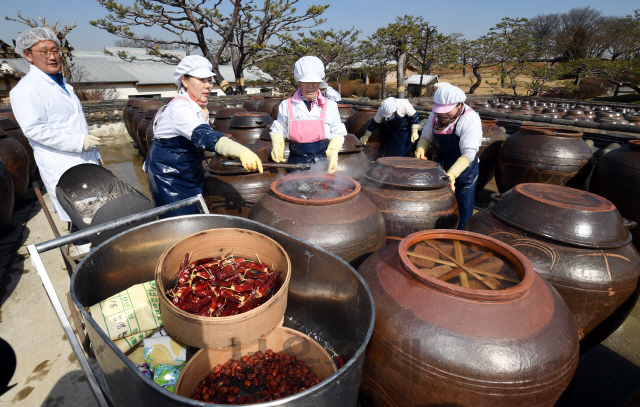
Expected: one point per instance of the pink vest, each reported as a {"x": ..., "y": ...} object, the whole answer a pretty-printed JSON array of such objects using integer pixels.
[{"x": 306, "y": 131}]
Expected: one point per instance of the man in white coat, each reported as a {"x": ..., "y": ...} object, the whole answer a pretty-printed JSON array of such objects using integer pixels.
[{"x": 49, "y": 112}]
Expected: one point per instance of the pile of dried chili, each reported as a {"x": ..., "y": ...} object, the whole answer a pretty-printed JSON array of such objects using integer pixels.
[
  {"x": 267, "y": 376},
  {"x": 219, "y": 287}
]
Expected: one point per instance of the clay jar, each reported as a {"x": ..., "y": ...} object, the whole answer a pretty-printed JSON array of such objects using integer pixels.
[
  {"x": 252, "y": 102},
  {"x": 578, "y": 242},
  {"x": 13, "y": 130},
  {"x": 266, "y": 104},
  {"x": 352, "y": 162},
  {"x": 345, "y": 112},
  {"x": 246, "y": 127},
  {"x": 349, "y": 226},
  {"x": 492, "y": 139},
  {"x": 617, "y": 178},
  {"x": 412, "y": 194},
  {"x": 149, "y": 137},
  {"x": 124, "y": 113},
  {"x": 223, "y": 116},
  {"x": 543, "y": 154},
  {"x": 212, "y": 108},
  {"x": 17, "y": 161},
  {"x": 437, "y": 343},
  {"x": 128, "y": 117},
  {"x": 140, "y": 115},
  {"x": 233, "y": 190},
  {"x": 357, "y": 124},
  {"x": 142, "y": 127},
  {"x": 6, "y": 198}
]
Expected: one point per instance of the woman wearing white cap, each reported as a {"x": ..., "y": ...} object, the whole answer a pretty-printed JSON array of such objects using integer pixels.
[
  {"x": 456, "y": 132},
  {"x": 329, "y": 92},
  {"x": 404, "y": 123},
  {"x": 310, "y": 121},
  {"x": 181, "y": 134}
]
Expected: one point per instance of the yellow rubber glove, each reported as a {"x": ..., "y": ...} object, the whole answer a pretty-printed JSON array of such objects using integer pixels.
[
  {"x": 414, "y": 132},
  {"x": 229, "y": 148},
  {"x": 277, "y": 147},
  {"x": 332, "y": 153},
  {"x": 363, "y": 140},
  {"x": 456, "y": 169},
  {"x": 422, "y": 147}
]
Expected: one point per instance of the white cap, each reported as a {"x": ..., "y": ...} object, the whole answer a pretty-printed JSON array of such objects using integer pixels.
[
  {"x": 323, "y": 85},
  {"x": 28, "y": 38},
  {"x": 309, "y": 69},
  {"x": 440, "y": 84},
  {"x": 388, "y": 107},
  {"x": 193, "y": 65},
  {"x": 447, "y": 97}
]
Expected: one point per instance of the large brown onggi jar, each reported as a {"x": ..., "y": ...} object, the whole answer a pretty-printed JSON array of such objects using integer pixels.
[
  {"x": 13, "y": 130},
  {"x": 543, "y": 154},
  {"x": 124, "y": 113},
  {"x": 129, "y": 114},
  {"x": 266, "y": 104},
  {"x": 213, "y": 110},
  {"x": 149, "y": 136},
  {"x": 338, "y": 218},
  {"x": 345, "y": 112},
  {"x": 463, "y": 320},
  {"x": 223, "y": 116},
  {"x": 7, "y": 112},
  {"x": 246, "y": 127},
  {"x": 142, "y": 127},
  {"x": 357, "y": 124},
  {"x": 252, "y": 103},
  {"x": 233, "y": 190},
  {"x": 140, "y": 115},
  {"x": 17, "y": 161},
  {"x": 265, "y": 141},
  {"x": 412, "y": 194},
  {"x": 6, "y": 198},
  {"x": 617, "y": 178},
  {"x": 492, "y": 139},
  {"x": 578, "y": 242}
]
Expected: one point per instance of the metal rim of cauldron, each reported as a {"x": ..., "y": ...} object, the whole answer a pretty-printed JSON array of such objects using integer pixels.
[
  {"x": 274, "y": 188},
  {"x": 186, "y": 401},
  {"x": 525, "y": 269}
]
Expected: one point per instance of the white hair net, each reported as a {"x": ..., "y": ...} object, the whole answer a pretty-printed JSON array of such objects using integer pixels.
[{"x": 29, "y": 37}]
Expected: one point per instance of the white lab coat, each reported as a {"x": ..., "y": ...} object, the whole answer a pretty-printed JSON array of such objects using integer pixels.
[
  {"x": 55, "y": 125},
  {"x": 469, "y": 130},
  {"x": 333, "y": 127},
  {"x": 179, "y": 118}
]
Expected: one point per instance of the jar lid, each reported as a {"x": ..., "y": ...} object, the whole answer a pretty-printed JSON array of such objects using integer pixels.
[
  {"x": 315, "y": 188},
  {"x": 466, "y": 264},
  {"x": 214, "y": 166},
  {"x": 250, "y": 119},
  {"x": 563, "y": 214},
  {"x": 228, "y": 112},
  {"x": 351, "y": 144},
  {"x": 407, "y": 172},
  {"x": 8, "y": 124}
]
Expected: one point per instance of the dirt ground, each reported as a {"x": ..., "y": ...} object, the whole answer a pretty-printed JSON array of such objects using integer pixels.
[{"x": 465, "y": 82}]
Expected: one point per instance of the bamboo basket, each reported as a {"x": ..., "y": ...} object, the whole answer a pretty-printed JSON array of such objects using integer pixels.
[
  {"x": 222, "y": 332},
  {"x": 281, "y": 339}
]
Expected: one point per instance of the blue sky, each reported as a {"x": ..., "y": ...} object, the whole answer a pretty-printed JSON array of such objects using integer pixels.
[{"x": 472, "y": 18}]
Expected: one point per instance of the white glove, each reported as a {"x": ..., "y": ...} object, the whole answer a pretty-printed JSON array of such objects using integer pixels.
[
  {"x": 91, "y": 142},
  {"x": 414, "y": 132}
]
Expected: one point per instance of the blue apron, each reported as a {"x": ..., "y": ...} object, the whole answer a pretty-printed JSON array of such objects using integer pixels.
[
  {"x": 399, "y": 142},
  {"x": 446, "y": 153},
  {"x": 303, "y": 153}
]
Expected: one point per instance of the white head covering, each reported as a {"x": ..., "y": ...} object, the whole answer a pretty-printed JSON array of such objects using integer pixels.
[
  {"x": 309, "y": 69},
  {"x": 193, "y": 65},
  {"x": 323, "y": 85},
  {"x": 440, "y": 84},
  {"x": 388, "y": 107},
  {"x": 447, "y": 97},
  {"x": 28, "y": 38}
]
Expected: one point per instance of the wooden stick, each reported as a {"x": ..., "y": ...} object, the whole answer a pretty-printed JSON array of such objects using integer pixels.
[
  {"x": 467, "y": 269},
  {"x": 464, "y": 280},
  {"x": 479, "y": 259},
  {"x": 457, "y": 249}
]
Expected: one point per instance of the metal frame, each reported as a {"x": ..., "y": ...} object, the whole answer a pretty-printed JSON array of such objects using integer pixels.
[{"x": 36, "y": 260}]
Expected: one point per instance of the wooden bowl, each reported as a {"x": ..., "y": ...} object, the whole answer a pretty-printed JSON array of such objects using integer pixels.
[
  {"x": 281, "y": 339},
  {"x": 222, "y": 332}
]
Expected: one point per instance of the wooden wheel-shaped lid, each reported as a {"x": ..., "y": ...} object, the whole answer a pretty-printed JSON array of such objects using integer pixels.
[
  {"x": 563, "y": 214},
  {"x": 466, "y": 264},
  {"x": 407, "y": 172}
]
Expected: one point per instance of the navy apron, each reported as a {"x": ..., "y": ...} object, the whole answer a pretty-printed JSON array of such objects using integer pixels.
[{"x": 446, "y": 153}]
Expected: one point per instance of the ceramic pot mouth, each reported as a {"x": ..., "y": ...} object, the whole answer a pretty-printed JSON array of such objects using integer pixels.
[
  {"x": 138, "y": 102},
  {"x": 634, "y": 144},
  {"x": 523, "y": 267},
  {"x": 150, "y": 104},
  {"x": 488, "y": 120},
  {"x": 314, "y": 180},
  {"x": 250, "y": 120},
  {"x": 551, "y": 131},
  {"x": 256, "y": 97},
  {"x": 367, "y": 109},
  {"x": 228, "y": 112},
  {"x": 341, "y": 106}
]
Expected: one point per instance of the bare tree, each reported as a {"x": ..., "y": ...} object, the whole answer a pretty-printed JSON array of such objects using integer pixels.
[
  {"x": 60, "y": 31},
  {"x": 580, "y": 33},
  {"x": 146, "y": 41},
  {"x": 544, "y": 28},
  {"x": 482, "y": 53}
]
